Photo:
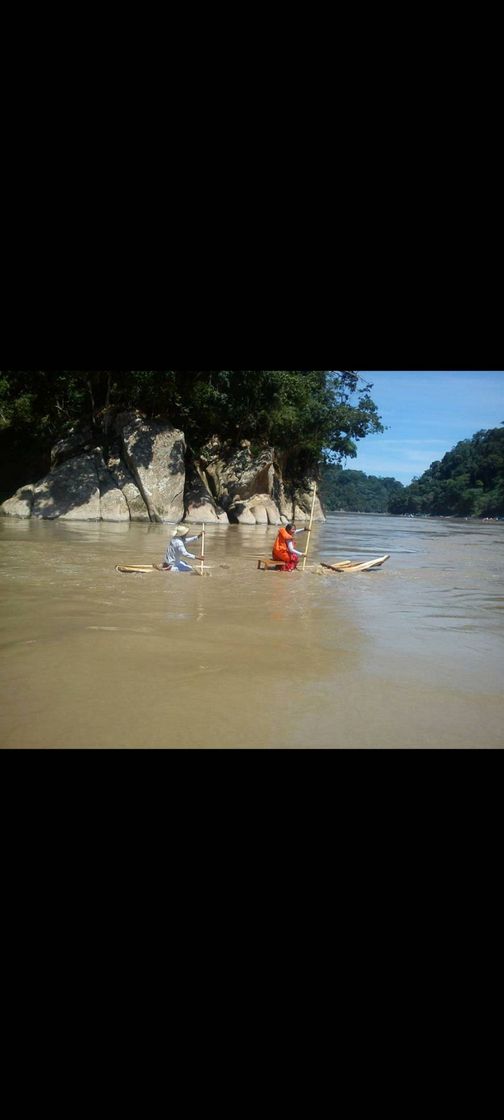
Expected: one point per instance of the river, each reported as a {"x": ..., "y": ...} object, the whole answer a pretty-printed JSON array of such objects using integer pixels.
[{"x": 408, "y": 656}]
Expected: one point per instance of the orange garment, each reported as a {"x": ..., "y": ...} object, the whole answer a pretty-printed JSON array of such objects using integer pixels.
[{"x": 280, "y": 550}]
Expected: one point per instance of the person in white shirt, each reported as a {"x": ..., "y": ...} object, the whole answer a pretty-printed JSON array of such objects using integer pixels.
[{"x": 173, "y": 561}]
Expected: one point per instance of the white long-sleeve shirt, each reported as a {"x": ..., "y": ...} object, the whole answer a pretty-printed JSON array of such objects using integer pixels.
[
  {"x": 176, "y": 550},
  {"x": 290, "y": 545}
]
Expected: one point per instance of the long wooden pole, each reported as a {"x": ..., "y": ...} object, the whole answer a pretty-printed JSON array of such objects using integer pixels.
[
  {"x": 203, "y": 549},
  {"x": 307, "y": 549}
]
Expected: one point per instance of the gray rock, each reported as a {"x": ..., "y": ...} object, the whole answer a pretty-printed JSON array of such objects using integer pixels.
[
  {"x": 199, "y": 504},
  {"x": 298, "y": 508},
  {"x": 264, "y": 509},
  {"x": 240, "y": 514},
  {"x": 260, "y": 514},
  {"x": 145, "y": 479},
  {"x": 155, "y": 455},
  {"x": 125, "y": 419},
  {"x": 260, "y": 509},
  {"x": 241, "y": 482},
  {"x": 237, "y": 476},
  {"x": 113, "y": 504},
  {"x": 137, "y": 508},
  {"x": 272, "y": 512},
  {"x": 70, "y": 492},
  {"x": 20, "y": 505},
  {"x": 304, "y": 499},
  {"x": 78, "y": 440}
]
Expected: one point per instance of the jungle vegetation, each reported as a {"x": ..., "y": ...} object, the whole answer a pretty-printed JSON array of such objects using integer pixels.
[
  {"x": 355, "y": 491},
  {"x": 467, "y": 482}
]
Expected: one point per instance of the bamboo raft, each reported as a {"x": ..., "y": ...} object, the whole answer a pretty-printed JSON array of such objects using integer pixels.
[
  {"x": 146, "y": 569},
  {"x": 265, "y": 565},
  {"x": 140, "y": 569},
  {"x": 352, "y": 566}
]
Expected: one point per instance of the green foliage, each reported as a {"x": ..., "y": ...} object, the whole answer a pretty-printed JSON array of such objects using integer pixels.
[
  {"x": 468, "y": 482},
  {"x": 355, "y": 491}
]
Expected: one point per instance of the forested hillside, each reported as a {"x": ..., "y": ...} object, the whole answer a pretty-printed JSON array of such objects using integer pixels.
[
  {"x": 467, "y": 482},
  {"x": 301, "y": 413},
  {"x": 355, "y": 491}
]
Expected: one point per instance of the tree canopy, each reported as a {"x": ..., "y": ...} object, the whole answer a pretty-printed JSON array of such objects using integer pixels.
[
  {"x": 467, "y": 482},
  {"x": 355, "y": 491}
]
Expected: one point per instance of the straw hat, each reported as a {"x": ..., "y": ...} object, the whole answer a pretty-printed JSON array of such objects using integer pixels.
[{"x": 180, "y": 531}]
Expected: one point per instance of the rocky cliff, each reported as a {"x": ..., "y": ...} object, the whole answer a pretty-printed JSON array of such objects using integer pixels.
[{"x": 144, "y": 473}]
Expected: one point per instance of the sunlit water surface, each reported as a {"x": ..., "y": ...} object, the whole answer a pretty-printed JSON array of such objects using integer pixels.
[{"x": 410, "y": 655}]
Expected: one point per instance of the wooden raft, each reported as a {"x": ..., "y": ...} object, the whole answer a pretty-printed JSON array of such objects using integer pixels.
[
  {"x": 266, "y": 565},
  {"x": 270, "y": 565},
  {"x": 140, "y": 569},
  {"x": 354, "y": 566}
]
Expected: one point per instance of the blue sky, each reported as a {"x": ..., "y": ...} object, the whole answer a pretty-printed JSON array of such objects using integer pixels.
[{"x": 426, "y": 414}]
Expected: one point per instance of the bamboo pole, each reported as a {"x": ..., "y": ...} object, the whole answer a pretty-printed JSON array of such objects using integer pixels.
[
  {"x": 307, "y": 549},
  {"x": 203, "y": 549}
]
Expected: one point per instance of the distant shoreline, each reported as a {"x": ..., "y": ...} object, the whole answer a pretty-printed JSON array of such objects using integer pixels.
[{"x": 409, "y": 516}]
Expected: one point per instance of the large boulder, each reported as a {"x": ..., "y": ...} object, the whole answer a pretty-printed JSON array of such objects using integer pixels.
[
  {"x": 246, "y": 484},
  {"x": 70, "y": 492},
  {"x": 144, "y": 479},
  {"x": 270, "y": 508},
  {"x": 240, "y": 514},
  {"x": 113, "y": 504},
  {"x": 137, "y": 509},
  {"x": 199, "y": 504},
  {"x": 283, "y": 501},
  {"x": 258, "y": 510},
  {"x": 76, "y": 442},
  {"x": 20, "y": 505},
  {"x": 259, "y": 514},
  {"x": 296, "y": 507},
  {"x": 304, "y": 502},
  {"x": 155, "y": 455},
  {"x": 236, "y": 476}
]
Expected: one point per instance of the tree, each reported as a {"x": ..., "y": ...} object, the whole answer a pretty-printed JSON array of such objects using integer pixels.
[
  {"x": 355, "y": 491},
  {"x": 467, "y": 482}
]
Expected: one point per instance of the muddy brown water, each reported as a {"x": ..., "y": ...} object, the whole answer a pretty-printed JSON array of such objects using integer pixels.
[{"x": 411, "y": 655}]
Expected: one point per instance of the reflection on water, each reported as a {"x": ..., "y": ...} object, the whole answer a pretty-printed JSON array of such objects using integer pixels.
[{"x": 406, "y": 656}]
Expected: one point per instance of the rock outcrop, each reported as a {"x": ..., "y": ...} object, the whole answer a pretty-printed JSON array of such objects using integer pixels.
[
  {"x": 258, "y": 510},
  {"x": 78, "y": 440},
  {"x": 250, "y": 487},
  {"x": 155, "y": 455},
  {"x": 246, "y": 485},
  {"x": 137, "y": 509},
  {"x": 199, "y": 505},
  {"x": 236, "y": 476},
  {"x": 303, "y": 505},
  {"x": 70, "y": 492},
  {"x": 20, "y": 505},
  {"x": 141, "y": 475},
  {"x": 113, "y": 504}
]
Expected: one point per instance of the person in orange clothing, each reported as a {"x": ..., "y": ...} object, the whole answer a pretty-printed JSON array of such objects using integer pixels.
[{"x": 283, "y": 548}]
